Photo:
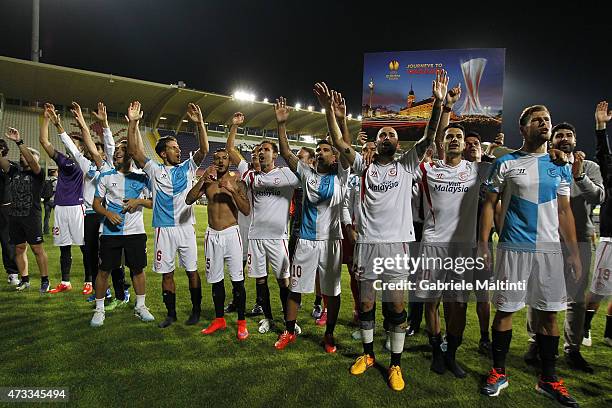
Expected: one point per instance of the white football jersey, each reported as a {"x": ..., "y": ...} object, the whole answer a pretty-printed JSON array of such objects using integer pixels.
[
  {"x": 450, "y": 200},
  {"x": 270, "y": 195},
  {"x": 386, "y": 196}
]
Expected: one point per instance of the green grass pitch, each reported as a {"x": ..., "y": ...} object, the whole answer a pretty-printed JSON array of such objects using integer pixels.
[{"x": 47, "y": 342}]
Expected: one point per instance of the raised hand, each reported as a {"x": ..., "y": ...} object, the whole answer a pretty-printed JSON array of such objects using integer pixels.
[
  {"x": 78, "y": 115},
  {"x": 210, "y": 174},
  {"x": 602, "y": 115},
  {"x": 362, "y": 138},
  {"x": 453, "y": 96},
  {"x": 134, "y": 114},
  {"x": 323, "y": 95},
  {"x": 51, "y": 114},
  {"x": 237, "y": 119},
  {"x": 558, "y": 157},
  {"x": 578, "y": 165},
  {"x": 12, "y": 134},
  {"x": 339, "y": 105},
  {"x": 194, "y": 113},
  {"x": 440, "y": 85},
  {"x": 281, "y": 110},
  {"x": 100, "y": 115},
  {"x": 499, "y": 140}
]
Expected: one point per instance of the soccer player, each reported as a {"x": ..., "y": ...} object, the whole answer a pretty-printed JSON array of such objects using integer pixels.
[
  {"x": 25, "y": 223},
  {"x": 92, "y": 161},
  {"x": 226, "y": 195},
  {"x": 586, "y": 192},
  {"x": 68, "y": 227},
  {"x": 451, "y": 188},
  {"x": 385, "y": 229},
  {"x": 123, "y": 233},
  {"x": 536, "y": 210},
  {"x": 173, "y": 219},
  {"x": 8, "y": 249},
  {"x": 601, "y": 281},
  {"x": 271, "y": 190},
  {"x": 319, "y": 248}
]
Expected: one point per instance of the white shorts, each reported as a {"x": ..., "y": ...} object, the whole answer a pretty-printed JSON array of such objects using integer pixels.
[
  {"x": 268, "y": 251},
  {"x": 601, "y": 283},
  {"x": 435, "y": 272},
  {"x": 169, "y": 241},
  {"x": 365, "y": 264},
  {"x": 220, "y": 247},
  {"x": 69, "y": 225},
  {"x": 312, "y": 257},
  {"x": 541, "y": 271}
]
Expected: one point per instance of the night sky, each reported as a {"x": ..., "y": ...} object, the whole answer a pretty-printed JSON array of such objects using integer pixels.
[{"x": 560, "y": 58}]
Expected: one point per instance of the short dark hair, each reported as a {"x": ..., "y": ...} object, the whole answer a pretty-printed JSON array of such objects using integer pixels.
[
  {"x": 311, "y": 152},
  {"x": 454, "y": 126},
  {"x": 160, "y": 146},
  {"x": 472, "y": 133},
  {"x": 324, "y": 141},
  {"x": 271, "y": 143},
  {"x": 563, "y": 126},
  {"x": 221, "y": 150},
  {"x": 527, "y": 112},
  {"x": 4, "y": 149}
]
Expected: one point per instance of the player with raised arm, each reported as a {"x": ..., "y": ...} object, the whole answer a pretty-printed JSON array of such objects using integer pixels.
[
  {"x": 25, "y": 224},
  {"x": 173, "y": 219},
  {"x": 601, "y": 281},
  {"x": 385, "y": 229},
  {"x": 69, "y": 214},
  {"x": 318, "y": 251},
  {"x": 226, "y": 195},
  {"x": 529, "y": 265}
]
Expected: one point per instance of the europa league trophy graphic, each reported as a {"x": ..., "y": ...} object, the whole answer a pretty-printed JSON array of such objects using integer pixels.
[{"x": 472, "y": 73}]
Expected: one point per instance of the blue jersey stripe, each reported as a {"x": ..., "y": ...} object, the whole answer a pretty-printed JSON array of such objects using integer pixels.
[
  {"x": 308, "y": 230},
  {"x": 110, "y": 229},
  {"x": 163, "y": 210}
]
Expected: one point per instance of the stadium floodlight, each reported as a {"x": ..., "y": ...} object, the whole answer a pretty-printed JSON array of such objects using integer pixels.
[
  {"x": 162, "y": 118},
  {"x": 350, "y": 116},
  {"x": 310, "y": 107},
  {"x": 298, "y": 106},
  {"x": 244, "y": 96},
  {"x": 322, "y": 110},
  {"x": 359, "y": 117},
  {"x": 265, "y": 100}
]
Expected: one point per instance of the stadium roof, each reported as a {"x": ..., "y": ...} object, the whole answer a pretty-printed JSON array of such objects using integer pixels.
[{"x": 21, "y": 79}]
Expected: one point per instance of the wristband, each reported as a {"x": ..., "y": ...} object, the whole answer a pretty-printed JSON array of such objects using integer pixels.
[
  {"x": 19, "y": 142},
  {"x": 580, "y": 177}
]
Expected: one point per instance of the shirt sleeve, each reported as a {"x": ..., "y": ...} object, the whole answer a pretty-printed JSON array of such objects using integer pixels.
[
  {"x": 193, "y": 166},
  {"x": 82, "y": 161},
  {"x": 343, "y": 174},
  {"x": 358, "y": 165},
  {"x": 109, "y": 143},
  {"x": 101, "y": 187},
  {"x": 409, "y": 160},
  {"x": 302, "y": 169},
  {"x": 566, "y": 181},
  {"x": 150, "y": 168},
  {"x": 243, "y": 167},
  {"x": 292, "y": 180},
  {"x": 495, "y": 181}
]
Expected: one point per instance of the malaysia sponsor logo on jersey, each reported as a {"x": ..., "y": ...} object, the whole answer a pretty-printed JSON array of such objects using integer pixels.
[
  {"x": 452, "y": 187},
  {"x": 268, "y": 192},
  {"x": 384, "y": 186}
]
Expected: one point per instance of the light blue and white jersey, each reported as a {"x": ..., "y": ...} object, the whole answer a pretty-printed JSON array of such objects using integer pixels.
[
  {"x": 169, "y": 186},
  {"x": 116, "y": 188},
  {"x": 529, "y": 184},
  {"x": 322, "y": 202}
]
